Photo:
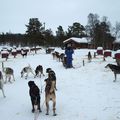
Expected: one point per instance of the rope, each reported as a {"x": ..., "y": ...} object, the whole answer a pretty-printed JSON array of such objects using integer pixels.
[
  {"x": 40, "y": 85},
  {"x": 3, "y": 66},
  {"x": 42, "y": 104}
]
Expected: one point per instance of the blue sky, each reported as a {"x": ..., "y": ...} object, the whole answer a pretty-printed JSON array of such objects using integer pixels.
[{"x": 16, "y": 13}]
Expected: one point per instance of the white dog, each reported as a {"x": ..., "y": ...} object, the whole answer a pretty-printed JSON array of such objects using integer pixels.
[
  {"x": 26, "y": 70},
  {"x": 2, "y": 83}
]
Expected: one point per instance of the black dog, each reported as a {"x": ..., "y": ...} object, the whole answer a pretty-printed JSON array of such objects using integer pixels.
[
  {"x": 39, "y": 71},
  {"x": 114, "y": 68},
  {"x": 24, "y": 53},
  {"x": 34, "y": 93}
]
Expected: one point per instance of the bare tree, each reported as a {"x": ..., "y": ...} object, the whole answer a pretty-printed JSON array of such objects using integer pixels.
[
  {"x": 116, "y": 30},
  {"x": 93, "y": 19}
]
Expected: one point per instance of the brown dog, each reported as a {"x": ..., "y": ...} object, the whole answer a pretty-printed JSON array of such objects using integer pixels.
[
  {"x": 51, "y": 75},
  {"x": 50, "y": 95}
]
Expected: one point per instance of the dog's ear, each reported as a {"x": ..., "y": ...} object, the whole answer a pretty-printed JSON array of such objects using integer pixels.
[
  {"x": 31, "y": 83},
  {"x": 48, "y": 69},
  {"x": 52, "y": 72},
  {"x": 46, "y": 79},
  {"x": 29, "y": 65}
]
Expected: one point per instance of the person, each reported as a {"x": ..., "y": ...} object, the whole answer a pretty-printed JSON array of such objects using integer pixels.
[
  {"x": 68, "y": 52},
  {"x": 89, "y": 56}
]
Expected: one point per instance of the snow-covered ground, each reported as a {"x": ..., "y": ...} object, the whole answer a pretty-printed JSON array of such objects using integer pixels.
[{"x": 84, "y": 93}]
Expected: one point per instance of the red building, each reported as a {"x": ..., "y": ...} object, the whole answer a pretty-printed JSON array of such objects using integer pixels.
[{"x": 77, "y": 43}]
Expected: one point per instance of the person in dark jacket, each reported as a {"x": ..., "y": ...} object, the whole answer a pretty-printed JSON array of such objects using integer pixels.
[{"x": 68, "y": 52}]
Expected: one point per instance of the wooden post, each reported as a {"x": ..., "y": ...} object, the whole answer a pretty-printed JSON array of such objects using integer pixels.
[
  {"x": 2, "y": 66},
  {"x": 94, "y": 54},
  {"x": 83, "y": 63},
  {"x": 104, "y": 58}
]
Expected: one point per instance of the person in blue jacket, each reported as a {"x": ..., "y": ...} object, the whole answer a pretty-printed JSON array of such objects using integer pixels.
[{"x": 68, "y": 52}]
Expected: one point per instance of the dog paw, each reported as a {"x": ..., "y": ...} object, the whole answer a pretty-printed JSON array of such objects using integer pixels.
[
  {"x": 54, "y": 114},
  {"x": 47, "y": 114},
  {"x": 56, "y": 89},
  {"x": 40, "y": 110},
  {"x": 5, "y": 82},
  {"x": 33, "y": 110}
]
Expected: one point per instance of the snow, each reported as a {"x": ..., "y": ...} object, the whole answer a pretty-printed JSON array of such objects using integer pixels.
[
  {"x": 84, "y": 93},
  {"x": 18, "y": 48},
  {"x": 117, "y": 40},
  {"x": 99, "y": 48},
  {"x": 118, "y": 51},
  {"x": 107, "y": 50},
  {"x": 4, "y": 52},
  {"x": 14, "y": 50},
  {"x": 78, "y": 40}
]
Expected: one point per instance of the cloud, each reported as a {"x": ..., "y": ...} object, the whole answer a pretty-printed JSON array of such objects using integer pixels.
[{"x": 16, "y": 13}]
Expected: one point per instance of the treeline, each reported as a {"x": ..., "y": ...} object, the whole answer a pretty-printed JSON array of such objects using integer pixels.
[{"x": 99, "y": 31}]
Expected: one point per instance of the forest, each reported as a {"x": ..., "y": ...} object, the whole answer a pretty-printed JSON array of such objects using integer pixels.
[{"x": 99, "y": 31}]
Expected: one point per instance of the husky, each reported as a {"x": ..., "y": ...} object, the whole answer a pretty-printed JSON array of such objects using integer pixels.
[
  {"x": 2, "y": 83},
  {"x": 39, "y": 71},
  {"x": 50, "y": 95},
  {"x": 115, "y": 69},
  {"x": 51, "y": 75},
  {"x": 9, "y": 72},
  {"x": 26, "y": 70},
  {"x": 24, "y": 53}
]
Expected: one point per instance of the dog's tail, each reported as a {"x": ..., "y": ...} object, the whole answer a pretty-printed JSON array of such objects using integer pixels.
[{"x": 29, "y": 65}]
